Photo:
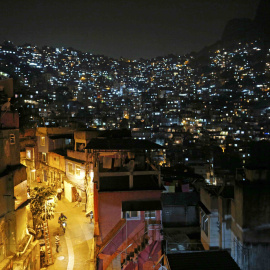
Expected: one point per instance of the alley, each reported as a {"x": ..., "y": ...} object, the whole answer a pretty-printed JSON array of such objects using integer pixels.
[{"x": 77, "y": 244}]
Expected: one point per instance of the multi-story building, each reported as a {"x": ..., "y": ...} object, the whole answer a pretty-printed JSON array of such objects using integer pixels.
[
  {"x": 52, "y": 144},
  {"x": 78, "y": 169},
  {"x": 250, "y": 237},
  {"x": 215, "y": 219},
  {"x": 17, "y": 248},
  {"x": 236, "y": 219},
  {"x": 29, "y": 154},
  {"x": 127, "y": 206}
]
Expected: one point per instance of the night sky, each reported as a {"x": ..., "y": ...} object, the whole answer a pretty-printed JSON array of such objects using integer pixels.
[{"x": 127, "y": 28}]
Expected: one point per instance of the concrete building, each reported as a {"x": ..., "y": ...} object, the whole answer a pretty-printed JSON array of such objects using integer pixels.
[
  {"x": 29, "y": 154},
  {"x": 127, "y": 206},
  {"x": 250, "y": 238},
  {"x": 236, "y": 218},
  {"x": 52, "y": 144},
  {"x": 79, "y": 170},
  {"x": 17, "y": 248},
  {"x": 215, "y": 216}
]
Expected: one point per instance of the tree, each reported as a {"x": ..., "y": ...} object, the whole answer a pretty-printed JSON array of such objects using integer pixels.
[{"x": 41, "y": 206}]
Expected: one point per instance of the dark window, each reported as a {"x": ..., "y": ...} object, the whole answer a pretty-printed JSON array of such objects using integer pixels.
[{"x": 12, "y": 139}]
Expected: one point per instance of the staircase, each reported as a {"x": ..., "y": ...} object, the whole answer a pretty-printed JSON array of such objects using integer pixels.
[
  {"x": 132, "y": 248},
  {"x": 139, "y": 245},
  {"x": 112, "y": 234},
  {"x": 133, "y": 255},
  {"x": 48, "y": 246}
]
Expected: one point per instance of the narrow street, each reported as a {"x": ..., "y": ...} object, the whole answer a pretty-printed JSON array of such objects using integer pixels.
[{"x": 77, "y": 244}]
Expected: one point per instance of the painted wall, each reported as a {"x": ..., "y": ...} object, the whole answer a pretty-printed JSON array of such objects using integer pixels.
[
  {"x": 77, "y": 180},
  {"x": 56, "y": 144},
  {"x": 68, "y": 191},
  {"x": 9, "y": 119},
  {"x": 4, "y": 200},
  {"x": 10, "y": 153},
  {"x": 57, "y": 161},
  {"x": 110, "y": 206},
  {"x": 21, "y": 222},
  {"x": 43, "y": 148},
  {"x": 225, "y": 220}
]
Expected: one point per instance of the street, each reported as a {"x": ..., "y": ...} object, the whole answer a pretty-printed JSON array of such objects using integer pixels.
[{"x": 76, "y": 249}]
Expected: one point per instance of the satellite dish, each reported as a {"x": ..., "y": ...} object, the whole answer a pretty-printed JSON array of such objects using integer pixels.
[{"x": 162, "y": 268}]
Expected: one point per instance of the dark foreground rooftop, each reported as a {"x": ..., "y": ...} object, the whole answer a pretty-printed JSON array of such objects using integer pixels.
[{"x": 205, "y": 260}]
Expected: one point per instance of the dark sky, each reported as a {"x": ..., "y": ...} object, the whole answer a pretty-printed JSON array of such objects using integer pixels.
[{"x": 128, "y": 28}]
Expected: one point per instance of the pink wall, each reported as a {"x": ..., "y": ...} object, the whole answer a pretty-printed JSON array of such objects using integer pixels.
[{"x": 110, "y": 206}]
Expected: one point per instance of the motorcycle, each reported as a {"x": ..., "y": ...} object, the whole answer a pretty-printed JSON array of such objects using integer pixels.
[{"x": 64, "y": 225}]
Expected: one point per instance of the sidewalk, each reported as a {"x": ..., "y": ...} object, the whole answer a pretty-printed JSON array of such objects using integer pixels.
[{"x": 77, "y": 244}]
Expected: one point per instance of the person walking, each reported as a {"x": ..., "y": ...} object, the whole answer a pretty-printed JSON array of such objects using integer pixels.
[
  {"x": 91, "y": 216},
  {"x": 59, "y": 193},
  {"x": 79, "y": 200},
  {"x": 57, "y": 242}
]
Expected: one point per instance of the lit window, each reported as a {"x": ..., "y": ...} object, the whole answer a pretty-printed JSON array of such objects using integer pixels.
[
  {"x": 28, "y": 154},
  {"x": 70, "y": 168},
  {"x": 150, "y": 215},
  {"x": 42, "y": 141},
  {"x": 78, "y": 170},
  {"x": 12, "y": 138}
]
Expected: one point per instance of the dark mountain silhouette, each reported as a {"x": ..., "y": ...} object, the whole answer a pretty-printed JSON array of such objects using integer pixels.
[
  {"x": 246, "y": 29},
  {"x": 262, "y": 18},
  {"x": 240, "y": 29}
]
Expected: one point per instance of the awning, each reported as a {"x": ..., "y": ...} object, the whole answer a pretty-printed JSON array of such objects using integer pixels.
[{"x": 141, "y": 205}]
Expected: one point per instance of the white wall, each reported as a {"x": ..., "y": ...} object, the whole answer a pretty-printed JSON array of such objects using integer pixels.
[{"x": 68, "y": 191}]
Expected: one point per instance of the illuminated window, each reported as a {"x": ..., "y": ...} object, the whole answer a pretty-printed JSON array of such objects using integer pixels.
[
  {"x": 28, "y": 154},
  {"x": 150, "y": 215},
  {"x": 70, "y": 168},
  {"x": 77, "y": 170},
  {"x": 12, "y": 138},
  {"x": 42, "y": 141}
]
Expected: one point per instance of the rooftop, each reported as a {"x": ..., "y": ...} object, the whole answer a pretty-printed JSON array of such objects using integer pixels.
[
  {"x": 121, "y": 144},
  {"x": 207, "y": 260}
]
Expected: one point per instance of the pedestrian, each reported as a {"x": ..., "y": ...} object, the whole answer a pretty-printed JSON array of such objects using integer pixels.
[
  {"x": 91, "y": 216},
  {"x": 59, "y": 193},
  {"x": 79, "y": 201},
  {"x": 57, "y": 242},
  {"x": 76, "y": 196}
]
